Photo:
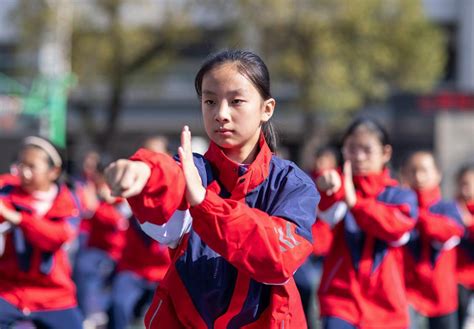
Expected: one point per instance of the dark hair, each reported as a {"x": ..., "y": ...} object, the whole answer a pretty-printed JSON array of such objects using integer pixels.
[
  {"x": 464, "y": 170},
  {"x": 371, "y": 125},
  {"x": 421, "y": 151},
  {"x": 328, "y": 149},
  {"x": 253, "y": 68}
]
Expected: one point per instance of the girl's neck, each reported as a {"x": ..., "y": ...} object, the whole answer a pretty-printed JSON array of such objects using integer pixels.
[{"x": 242, "y": 156}]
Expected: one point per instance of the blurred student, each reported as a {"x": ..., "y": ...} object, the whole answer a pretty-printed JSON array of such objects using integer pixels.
[
  {"x": 96, "y": 262},
  {"x": 465, "y": 266},
  {"x": 362, "y": 284},
  {"x": 84, "y": 186},
  {"x": 35, "y": 275},
  {"x": 430, "y": 259},
  {"x": 157, "y": 143},
  {"x": 308, "y": 276},
  {"x": 143, "y": 264}
]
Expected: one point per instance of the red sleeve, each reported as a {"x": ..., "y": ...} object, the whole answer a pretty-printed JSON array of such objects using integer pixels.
[
  {"x": 164, "y": 192},
  {"x": 44, "y": 233},
  {"x": 107, "y": 216},
  {"x": 265, "y": 247},
  {"x": 384, "y": 221},
  {"x": 322, "y": 237},
  {"x": 438, "y": 227}
]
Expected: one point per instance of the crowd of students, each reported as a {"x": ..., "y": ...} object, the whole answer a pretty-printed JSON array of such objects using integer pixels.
[
  {"x": 71, "y": 254},
  {"x": 401, "y": 256},
  {"x": 237, "y": 237}
]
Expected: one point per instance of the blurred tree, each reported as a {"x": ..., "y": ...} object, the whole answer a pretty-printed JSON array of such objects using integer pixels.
[
  {"x": 344, "y": 54},
  {"x": 109, "y": 47},
  {"x": 341, "y": 55}
]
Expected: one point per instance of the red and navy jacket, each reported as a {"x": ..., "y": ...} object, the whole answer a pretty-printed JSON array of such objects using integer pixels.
[
  {"x": 362, "y": 281},
  {"x": 142, "y": 255},
  {"x": 9, "y": 179},
  {"x": 322, "y": 238},
  {"x": 107, "y": 228},
  {"x": 465, "y": 261},
  {"x": 322, "y": 230},
  {"x": 237, "y": 251},
  {"x": 430, "y": 255},
  {"x": 35, "y": 273}
]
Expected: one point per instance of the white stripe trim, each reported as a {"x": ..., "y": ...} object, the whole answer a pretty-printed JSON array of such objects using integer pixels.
[
  {"x": 171, "y": 232},
  {"x": 402, "y": 241},
  {"x": 333, "y": 214},
  {"x": 449, "y": 244},
  {"x": 156, "y": 312}
]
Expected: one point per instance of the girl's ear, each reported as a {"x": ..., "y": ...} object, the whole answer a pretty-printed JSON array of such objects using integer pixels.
[
  {"x": 268, "y": 108},
  {"x": 386, "y": 153},
  {"x": 54, "y": 173}
]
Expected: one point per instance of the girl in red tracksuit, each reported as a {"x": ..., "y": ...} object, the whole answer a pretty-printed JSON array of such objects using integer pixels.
[
  {"x": 35, "y": 282},
  {"x": 465, "y": 265},
  {"x": 362, "y": 284},
  {"x": 141, "y": 268},
  {"x": 430, "y": 255},
  {"x": 96, "y": 262},
  {"x": 308, "y": 276},
  {"x": 238, "y": 218}
]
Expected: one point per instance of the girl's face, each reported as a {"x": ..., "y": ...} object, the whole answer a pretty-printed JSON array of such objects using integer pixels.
[
  {"x": 466, "y": 186},
  {"x": 421, "y": 172},
  {"x": 233, "y": 112},
  {"x": 365, "y": 152},
  {"x": 34, "y": 170}
]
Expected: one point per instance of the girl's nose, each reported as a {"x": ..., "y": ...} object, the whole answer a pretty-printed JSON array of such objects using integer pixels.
[{"x": 223, "y": 112}]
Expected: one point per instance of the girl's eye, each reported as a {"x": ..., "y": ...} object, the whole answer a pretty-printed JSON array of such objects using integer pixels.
[
  {"x": 208, "y": 102},
  {"x": 237, "y": 101}
]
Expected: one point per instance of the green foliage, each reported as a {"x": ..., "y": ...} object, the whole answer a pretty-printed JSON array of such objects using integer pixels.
[{"x": 344, "y": 54}]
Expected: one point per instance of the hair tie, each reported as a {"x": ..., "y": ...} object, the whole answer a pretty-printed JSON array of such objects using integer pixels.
[{"x": 45, "y": 146}]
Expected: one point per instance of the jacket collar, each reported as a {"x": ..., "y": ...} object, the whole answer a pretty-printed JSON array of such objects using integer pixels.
[
  {"x": 63, "y": 204},
  {"x": 428, "y": 197},
  {"x": 372, "y": 185},
  {"x": 239, "y": 178}
]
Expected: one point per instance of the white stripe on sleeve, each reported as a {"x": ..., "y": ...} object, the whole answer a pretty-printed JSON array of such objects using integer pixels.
[{"x": 172, "y": 231}]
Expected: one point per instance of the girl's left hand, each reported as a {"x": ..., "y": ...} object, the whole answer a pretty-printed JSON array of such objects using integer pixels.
[
  {"x": 195, "y": 192},
  {"x": 9, "y": 215},
  {"x": 349, "y": 189}
]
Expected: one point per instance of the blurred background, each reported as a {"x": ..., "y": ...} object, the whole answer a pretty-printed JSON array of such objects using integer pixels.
[{"x": 105, "y": 74}]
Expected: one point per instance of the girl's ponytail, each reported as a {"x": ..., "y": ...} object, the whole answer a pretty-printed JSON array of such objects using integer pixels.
[{"x": 271, "y": 136}]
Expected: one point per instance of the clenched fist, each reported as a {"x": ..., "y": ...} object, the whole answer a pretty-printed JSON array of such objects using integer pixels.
[{"x": 127, "y": 178}]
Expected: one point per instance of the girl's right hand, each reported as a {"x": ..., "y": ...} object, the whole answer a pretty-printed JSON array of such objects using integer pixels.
[
  {"x": 127, "y": 178},
  {"x": 329, "y": 182}
]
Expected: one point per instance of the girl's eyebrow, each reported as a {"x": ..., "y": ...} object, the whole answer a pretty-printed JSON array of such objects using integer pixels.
[
  {"x": 236, "y": 91},
  {"x": 206, "y": 91}
]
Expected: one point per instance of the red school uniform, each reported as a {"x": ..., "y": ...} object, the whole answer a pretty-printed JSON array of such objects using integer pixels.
[
  {"x": 430, "y": 256},
  {"x": 236, "y": 252},
  {"x": 363, "y": 281},
  {"x": 142, "y": 255},
  {"x": 35, "y": 273},
  {"x": 107, "y": 228},
  {"x": 465, "y": 260}
]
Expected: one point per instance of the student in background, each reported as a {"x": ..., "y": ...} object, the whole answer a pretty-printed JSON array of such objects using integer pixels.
[
  {"x": 362, "y": 284},
  {"x": 142, "y": 265},
  {"x": 35, "y": 282},
  {"x": 96, "y": 262},
  {"x": 308, "y": 276},
  {"x": 430, "y": 255},
  {"x": 465, "y": 266}
]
